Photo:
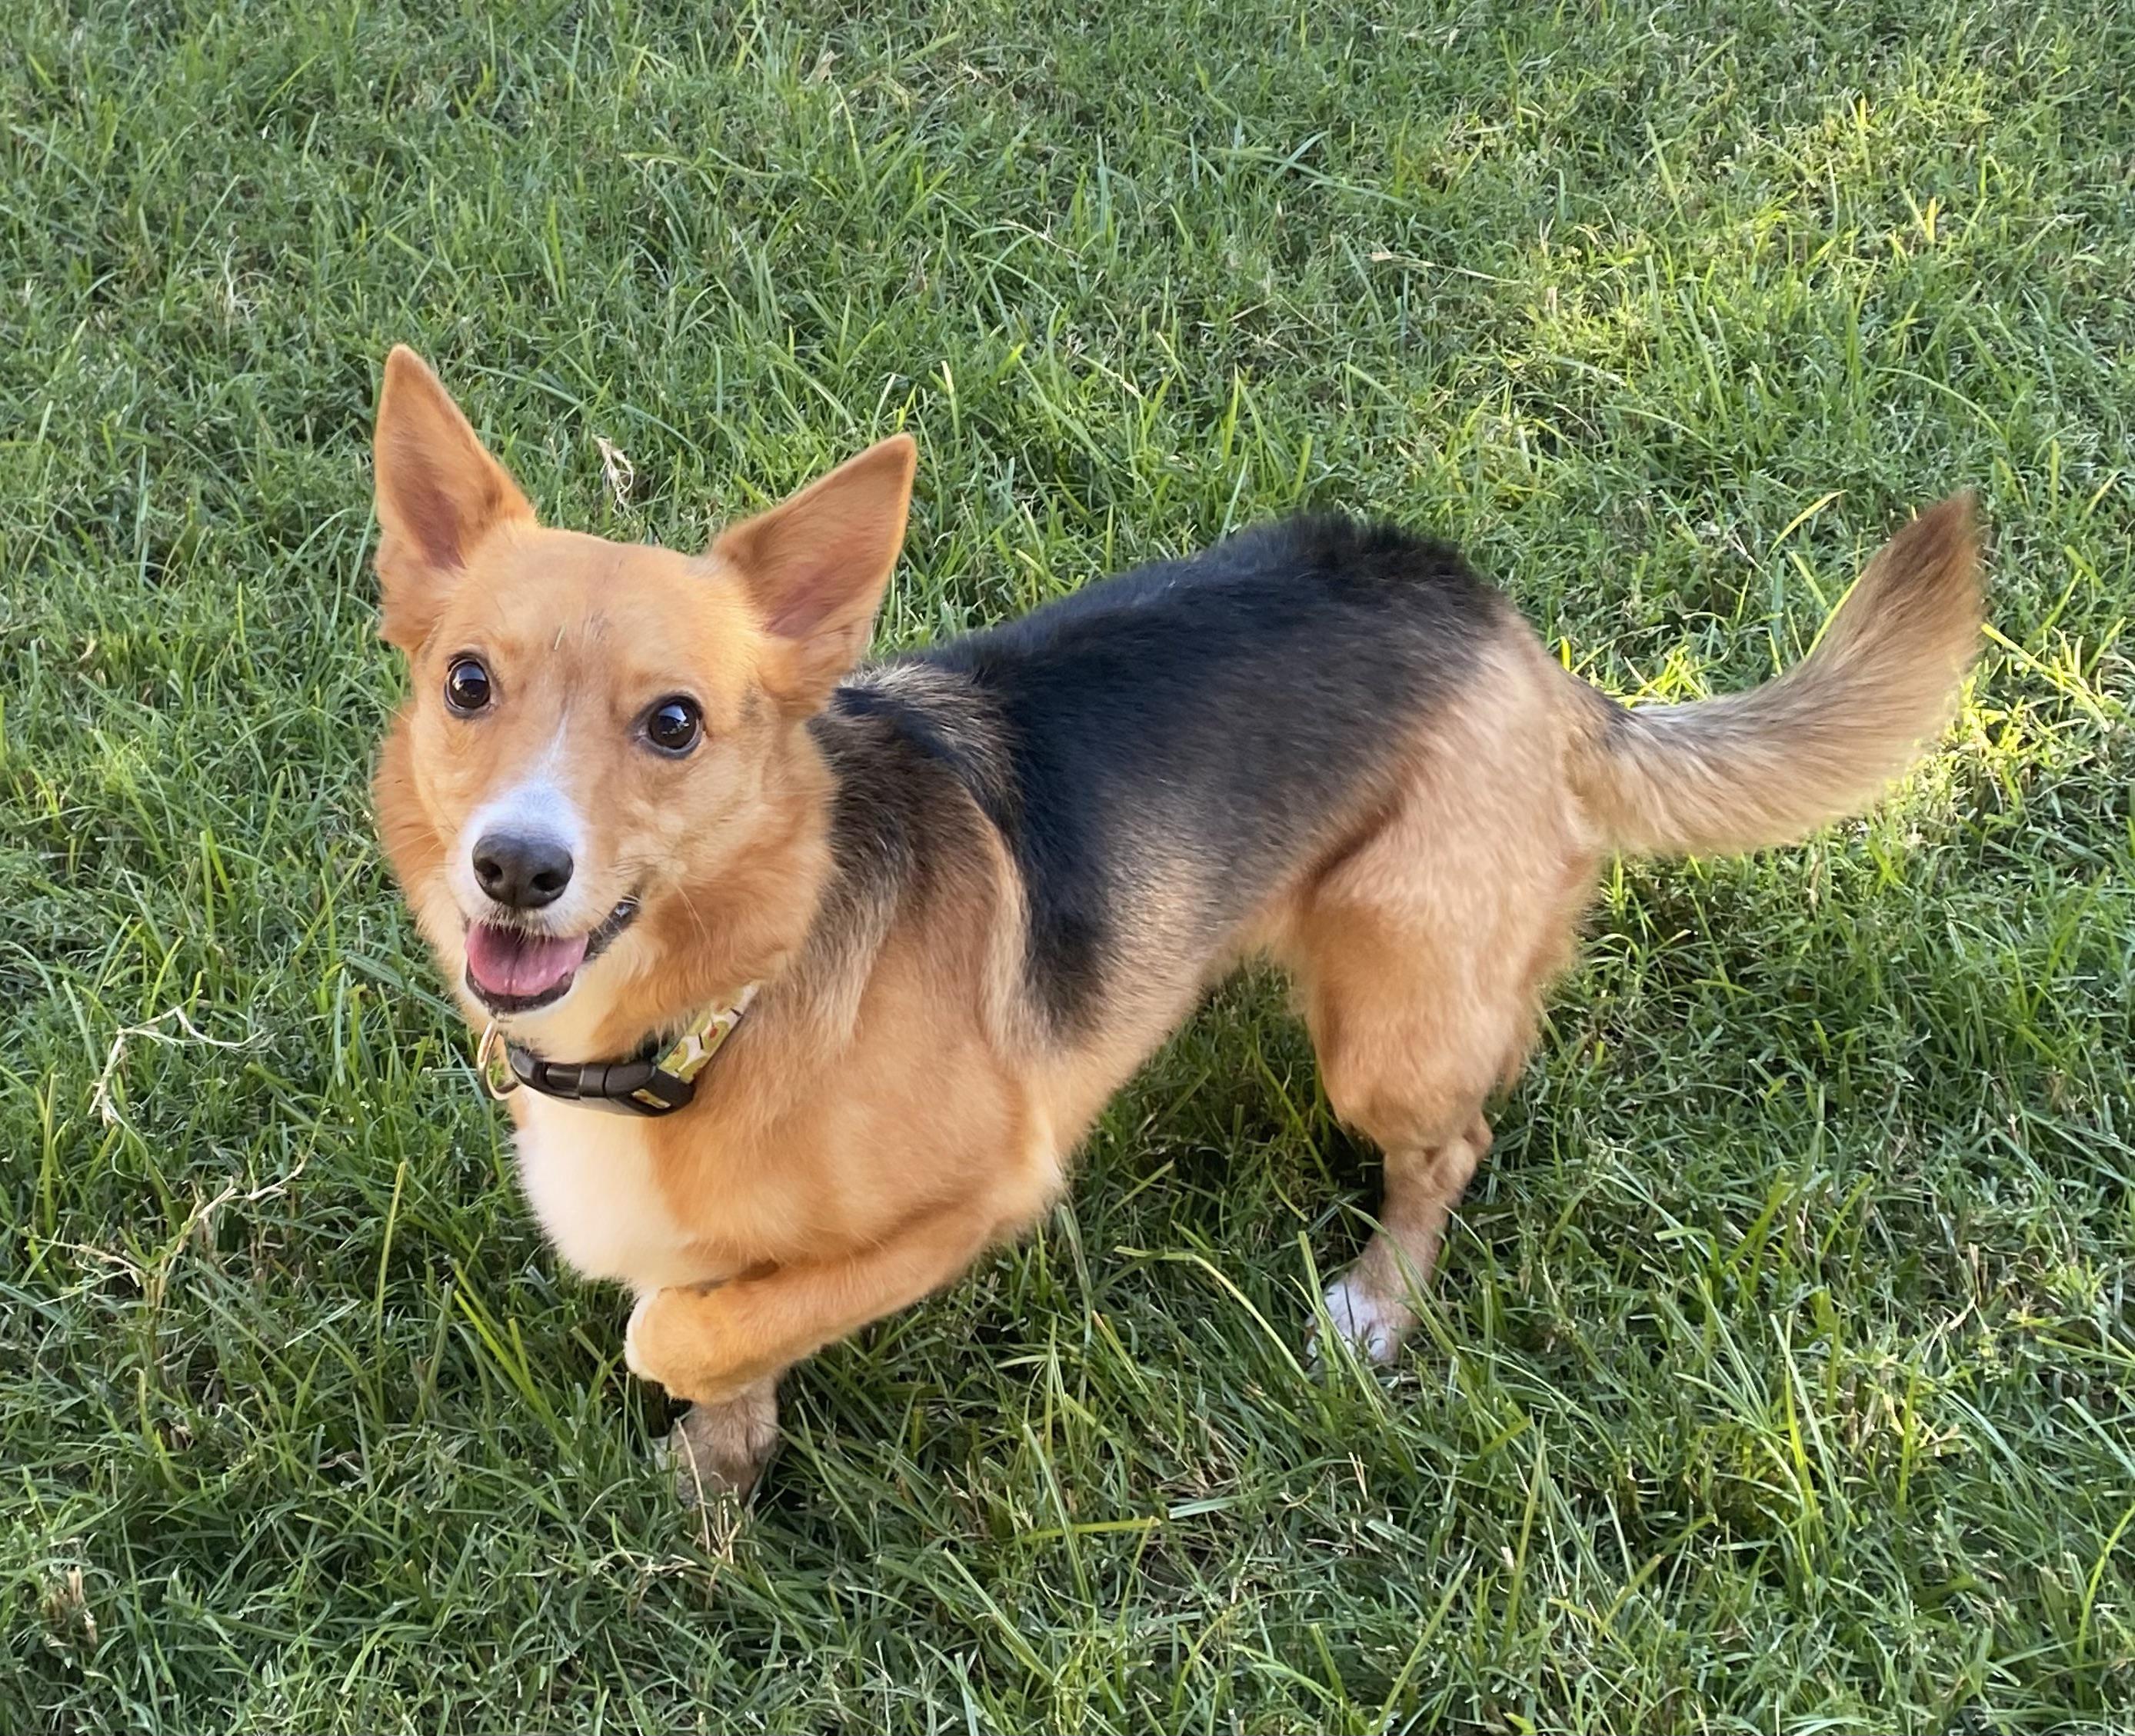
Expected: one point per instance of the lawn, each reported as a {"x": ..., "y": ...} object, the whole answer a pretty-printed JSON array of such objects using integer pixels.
[{"x": 1780, "y": 1377}]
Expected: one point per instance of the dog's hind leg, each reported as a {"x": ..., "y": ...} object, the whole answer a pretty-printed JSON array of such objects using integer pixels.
[
  {"x": 1373, "y": 1305},
  {"x": 1422, "y": 951},
  {"x": 1408, "y": 1061}
]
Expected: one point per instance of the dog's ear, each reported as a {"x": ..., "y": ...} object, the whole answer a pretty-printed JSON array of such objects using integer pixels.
[
  {"x": 815, "y": 567},
  {"x": 439, "y": 493}
]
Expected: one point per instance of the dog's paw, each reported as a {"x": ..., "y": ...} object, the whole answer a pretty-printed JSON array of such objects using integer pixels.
[
  {"x": 672, "y": 1340},
  {"x": 633, "y": 1356},
  {"x": 1371, "y": 1325},
  {"x": 721, "y": 1450}
]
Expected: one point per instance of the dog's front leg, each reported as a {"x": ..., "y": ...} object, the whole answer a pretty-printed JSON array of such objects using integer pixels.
[{"x": 713, "y": 1345}]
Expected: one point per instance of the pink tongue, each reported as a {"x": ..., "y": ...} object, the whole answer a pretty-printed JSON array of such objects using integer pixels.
[{"x": 505, "y": 962}]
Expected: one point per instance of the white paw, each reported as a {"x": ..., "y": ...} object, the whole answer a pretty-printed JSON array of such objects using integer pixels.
[
  {"x": 1374, "y": 1326},
  {"x": 630, "y": 1337}
]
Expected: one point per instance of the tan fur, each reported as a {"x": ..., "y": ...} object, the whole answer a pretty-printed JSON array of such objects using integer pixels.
[
  {"x": 1771, "y": 765},
  {"x": 870, "y": 1130}
]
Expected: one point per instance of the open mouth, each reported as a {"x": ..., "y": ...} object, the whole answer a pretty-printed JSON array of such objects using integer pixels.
[{"x": 517, "y": 970}]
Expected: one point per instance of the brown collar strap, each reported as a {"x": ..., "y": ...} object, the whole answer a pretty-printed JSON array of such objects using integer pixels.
[{"x": 660, "y": 1078}]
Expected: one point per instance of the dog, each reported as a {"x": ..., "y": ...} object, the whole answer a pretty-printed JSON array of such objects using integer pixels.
[{"x": 802, "y": 977}]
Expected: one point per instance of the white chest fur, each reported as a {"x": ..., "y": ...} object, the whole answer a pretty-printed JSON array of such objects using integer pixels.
[{"x": 588, "y": 1175}]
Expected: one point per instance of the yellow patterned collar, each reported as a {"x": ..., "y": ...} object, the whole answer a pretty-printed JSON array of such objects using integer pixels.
[{"x": 659, "y": 1079}]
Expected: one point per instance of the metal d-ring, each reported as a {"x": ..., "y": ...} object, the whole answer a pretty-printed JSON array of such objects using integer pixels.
[{"x": 494, "y": 1064}]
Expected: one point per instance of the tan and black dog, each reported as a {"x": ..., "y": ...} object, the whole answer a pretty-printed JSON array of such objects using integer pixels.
[{"x": 803, "y": 979}]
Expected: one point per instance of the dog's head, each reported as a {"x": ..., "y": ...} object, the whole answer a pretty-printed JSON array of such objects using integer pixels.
[{"x": 597, "y": 732}]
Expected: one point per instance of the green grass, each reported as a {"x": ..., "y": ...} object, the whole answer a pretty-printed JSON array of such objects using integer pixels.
[{"x": 1781, "y": 1377}]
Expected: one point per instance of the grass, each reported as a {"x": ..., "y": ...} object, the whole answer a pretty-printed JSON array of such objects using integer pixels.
[{"x": 1781, "y": 1377}]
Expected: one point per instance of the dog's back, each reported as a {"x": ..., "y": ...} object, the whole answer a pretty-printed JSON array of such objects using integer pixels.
[
  {"x": 1162, "y": 750},
  {"x": 1168, "y": 755}
]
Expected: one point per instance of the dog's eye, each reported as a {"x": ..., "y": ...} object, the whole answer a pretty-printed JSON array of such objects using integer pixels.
[
  {"x": 467, "y": 686},
  {"x": 673, "y": 725}
]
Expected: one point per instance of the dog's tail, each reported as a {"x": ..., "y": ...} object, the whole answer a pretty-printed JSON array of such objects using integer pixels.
[{"x": 1767, "y": 767}]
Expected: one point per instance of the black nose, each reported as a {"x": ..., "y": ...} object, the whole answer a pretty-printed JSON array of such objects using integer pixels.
[{"x": 522, "y": 873}]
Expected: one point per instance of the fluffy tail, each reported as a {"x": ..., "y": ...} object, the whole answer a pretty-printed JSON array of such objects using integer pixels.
[{"x": 1720, "y": 776}]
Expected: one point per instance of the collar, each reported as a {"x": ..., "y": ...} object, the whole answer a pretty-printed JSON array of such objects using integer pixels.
[{"x": 659, "y": 1079}]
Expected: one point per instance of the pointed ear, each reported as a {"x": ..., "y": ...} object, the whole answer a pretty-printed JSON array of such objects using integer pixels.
[
  {"x": 438, "y": 492},
  {"x": 815, "y": 566}
]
